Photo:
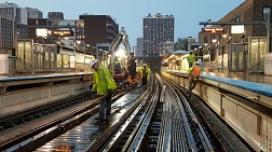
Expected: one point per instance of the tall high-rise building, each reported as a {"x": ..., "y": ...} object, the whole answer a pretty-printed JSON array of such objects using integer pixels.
[
  {"x": 33, "y": 13},
  {"x": 8, "y": 10},
  {"x": 139, "y": 47},
  {"x": 6, "y": 38},
  {"x": 21, "y": 16},
  {"x": 14, "y": 20},
  {"x": 157, "y": 30},
  {"x": 13, "y": 12}
]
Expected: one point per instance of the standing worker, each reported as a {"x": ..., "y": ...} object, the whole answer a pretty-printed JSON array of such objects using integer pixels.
[
  {"x": 194, "y": 74},
  {"x": 191, "y": 59},
  {"x": 145, "y": 75},
  {"x": 103, "y": 85}
]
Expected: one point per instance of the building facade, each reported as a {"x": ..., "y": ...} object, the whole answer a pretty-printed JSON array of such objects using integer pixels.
[
  {"x": 6, "y": 37},
  {"x": 157, "y": 30},
  {"x": 97, "y": 30},
  {"x": 33, "y": 13},
  {"x": 243, "y": 51},
  {"x": 55, "y": 17},
  {"x": 32, "y": 29},
  {"x": 19, "y": 18},
  {"x": 167, "y": 47},
  {"x": 139, "y": 47},
  {"x": 8, "y": 10},
  {"x": 13, "y": 12}
]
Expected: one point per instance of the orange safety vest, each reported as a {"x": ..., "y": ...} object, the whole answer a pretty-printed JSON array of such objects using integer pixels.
[{"x": 196, "y": 71}]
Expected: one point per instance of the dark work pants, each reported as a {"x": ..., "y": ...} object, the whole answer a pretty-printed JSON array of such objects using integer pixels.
[
  {"x": 190, "y": 65},
  {"x": 192, "y": 84},
  {"x": 144, "y": 80},
  {"x": 105, "y": 107}
]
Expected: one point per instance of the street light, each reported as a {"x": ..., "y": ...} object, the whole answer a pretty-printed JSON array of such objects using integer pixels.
[{"x": 214, "y": 40}]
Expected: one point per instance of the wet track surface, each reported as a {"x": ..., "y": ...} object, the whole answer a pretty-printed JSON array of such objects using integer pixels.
[
  {"x": 80, "y": 137},
  {"x": 159, "y": 117}
]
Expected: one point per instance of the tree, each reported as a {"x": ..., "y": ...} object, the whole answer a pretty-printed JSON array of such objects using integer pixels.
[{"x": 182, "y": 44}]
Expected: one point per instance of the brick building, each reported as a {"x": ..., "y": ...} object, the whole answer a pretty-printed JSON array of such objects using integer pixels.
[
  {"x": 244, "y": 51},
  {"x": 97, "y": 30}
]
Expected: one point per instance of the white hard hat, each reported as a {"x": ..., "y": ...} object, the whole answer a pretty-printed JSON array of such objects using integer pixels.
[{"x": 93, "y": 62}]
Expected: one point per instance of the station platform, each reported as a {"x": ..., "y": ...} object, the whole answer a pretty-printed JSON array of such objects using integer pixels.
[
  {"x": 243, "y": 105},
  {"x": 19, "y": 93},
  {"x": 246, "y": 76},
  {"x": 256, "y": 83},
  {"x": 4, "y": 78}
]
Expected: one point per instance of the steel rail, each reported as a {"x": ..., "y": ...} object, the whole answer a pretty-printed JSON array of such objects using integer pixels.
[
  {"x": 208, "y": 146},
  {"x": 17, "y": 118},
  {"x": 136, "y": 118},
  {"x": 226, "y": 137},
  {"x": 136, "y": 144},
  {"x": 192, "y": 146},
  {"x": 103, "y": 139},
  {"x": 18, "y": 141}
]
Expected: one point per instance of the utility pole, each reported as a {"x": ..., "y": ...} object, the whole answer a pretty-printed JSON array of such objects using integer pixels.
[
  {"x": 190, "y": 38},
  {"x": 268, "y": 29}
]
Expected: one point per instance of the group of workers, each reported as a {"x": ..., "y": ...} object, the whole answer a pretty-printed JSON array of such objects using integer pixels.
[{"x": 104, "y": 85}]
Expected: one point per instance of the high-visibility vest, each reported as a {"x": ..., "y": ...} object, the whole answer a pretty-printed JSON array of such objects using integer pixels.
[
  {"x": 191, "y": 58},
  {"x": 195, "y": 71},
  {"x": 103, "y": 81}
]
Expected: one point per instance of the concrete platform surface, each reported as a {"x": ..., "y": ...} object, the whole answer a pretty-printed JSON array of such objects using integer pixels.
[
  {"x": 40, "y": 76},
  {"x": 240, "y": 80}
]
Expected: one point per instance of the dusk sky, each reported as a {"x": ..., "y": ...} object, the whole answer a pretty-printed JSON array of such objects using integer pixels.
[{"x": 130, "y": 13}]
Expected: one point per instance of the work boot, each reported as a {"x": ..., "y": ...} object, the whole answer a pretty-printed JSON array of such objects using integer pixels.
[{"x": 187, "y": 93}]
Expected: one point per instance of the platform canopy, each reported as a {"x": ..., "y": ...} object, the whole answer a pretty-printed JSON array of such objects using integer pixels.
[{"x": 180, "y": 52}]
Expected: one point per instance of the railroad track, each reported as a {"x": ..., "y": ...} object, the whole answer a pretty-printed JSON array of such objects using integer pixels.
[
  {"x": 118, "y": 137},
  {"x": 27, "y": 117},
  {"x": 20, "y": 117},
  {"x": 167, "y": 121},
  {"x": 17, "y": 118},
  {"x": 223, "y": 137},
  {"x": 140, "y": 127},
  {"x": 160, "y": 119}
]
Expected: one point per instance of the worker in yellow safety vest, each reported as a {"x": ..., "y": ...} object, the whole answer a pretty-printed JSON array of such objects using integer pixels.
[
  {"x": 191, "y": 59},
  {"x": 194, "y": 74},
  {"x": 145, "y": 75},
  {"x": 103, "y": 85}
]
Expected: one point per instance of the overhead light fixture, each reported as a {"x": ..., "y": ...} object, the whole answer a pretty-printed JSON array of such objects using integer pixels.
[
  {"x": 42, "y": 32},
  {"x": 214, "y": 40},
  {"x": 237, "y": 29}
]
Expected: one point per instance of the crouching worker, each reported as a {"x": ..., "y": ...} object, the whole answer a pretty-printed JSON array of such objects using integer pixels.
[
  {"x": 194, "y": 73},
  {"x": 103, "y": 85}
]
